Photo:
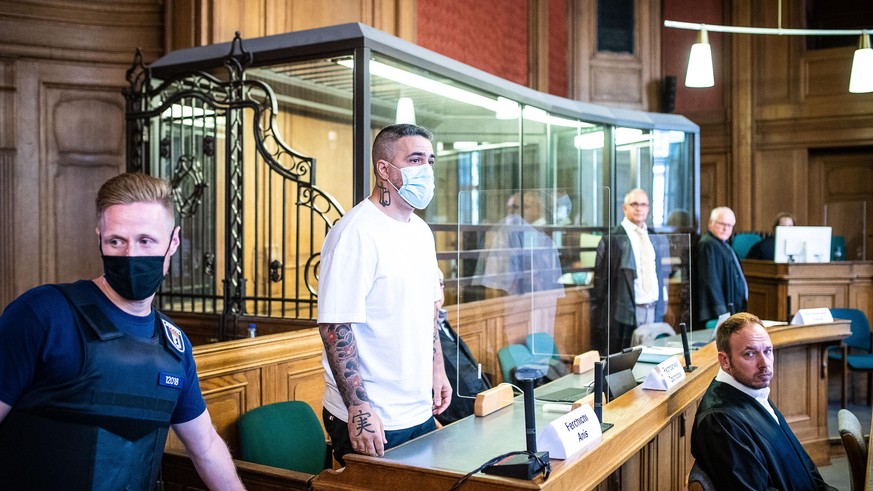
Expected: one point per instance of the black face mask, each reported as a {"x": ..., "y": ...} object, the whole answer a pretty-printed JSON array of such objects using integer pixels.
[{"x": 134, "y": 277}]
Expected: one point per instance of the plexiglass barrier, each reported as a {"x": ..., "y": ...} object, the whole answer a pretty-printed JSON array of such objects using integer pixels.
[{"x": 547, "y": 288}]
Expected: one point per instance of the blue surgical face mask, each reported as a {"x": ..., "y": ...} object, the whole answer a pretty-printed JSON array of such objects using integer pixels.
[{"x": 418, "y": 185}]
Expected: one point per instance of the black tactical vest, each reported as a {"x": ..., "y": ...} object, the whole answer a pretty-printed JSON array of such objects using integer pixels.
[{"x": 106, "y": 427}]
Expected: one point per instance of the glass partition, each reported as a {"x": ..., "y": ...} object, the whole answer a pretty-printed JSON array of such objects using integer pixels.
[
  {"x": 241, "y": 127},
  {"x": 529, "y": 269},
  {"x": 539, "y": 280}
]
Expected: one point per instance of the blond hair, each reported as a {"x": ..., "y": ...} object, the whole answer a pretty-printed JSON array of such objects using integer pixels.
[{"x": 129, "y": 188}]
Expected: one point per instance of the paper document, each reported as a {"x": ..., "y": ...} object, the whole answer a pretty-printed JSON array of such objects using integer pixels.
[{"x": 657, "y": 354}]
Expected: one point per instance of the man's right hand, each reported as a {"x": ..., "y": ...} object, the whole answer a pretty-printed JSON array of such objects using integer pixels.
[{"x": 365, "y": 430}]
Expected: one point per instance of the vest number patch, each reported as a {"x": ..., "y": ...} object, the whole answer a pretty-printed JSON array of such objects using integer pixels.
[{"x": 170, "y": 380}]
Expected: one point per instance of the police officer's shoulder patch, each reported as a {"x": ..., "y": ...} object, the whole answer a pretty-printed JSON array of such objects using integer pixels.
[{"x": 174, "y": 336}]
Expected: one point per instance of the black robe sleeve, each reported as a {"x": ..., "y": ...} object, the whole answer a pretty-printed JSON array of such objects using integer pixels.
[{"x": 740, "y": 446}]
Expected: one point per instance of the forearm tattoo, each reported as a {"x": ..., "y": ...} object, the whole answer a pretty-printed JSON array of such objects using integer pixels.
[
  {"x": 342, "y": 356},
  {"x": 436, "y": 332}
]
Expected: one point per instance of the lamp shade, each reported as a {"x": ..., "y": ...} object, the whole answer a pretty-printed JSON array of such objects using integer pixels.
[
  {"x": 405, "y": 111},
  {"x": 862, "y": 67},
  {"x": 699, "y": 72}
]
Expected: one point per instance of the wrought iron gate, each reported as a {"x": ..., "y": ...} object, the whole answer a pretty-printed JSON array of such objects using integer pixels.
[{"x": 251, "y": 214}]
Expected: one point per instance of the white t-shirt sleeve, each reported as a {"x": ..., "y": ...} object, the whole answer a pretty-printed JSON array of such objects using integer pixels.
[{"x": 345, "y": 279}]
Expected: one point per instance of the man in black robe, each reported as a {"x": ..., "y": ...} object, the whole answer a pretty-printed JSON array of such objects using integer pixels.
[
  {"x": 739, "y": 437},
  {"x": 719, "y": 285}
]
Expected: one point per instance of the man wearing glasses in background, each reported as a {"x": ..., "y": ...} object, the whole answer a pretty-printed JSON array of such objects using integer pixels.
[
  {"x": 629, "y": 278},
  {"x": 719, "y": 285}
]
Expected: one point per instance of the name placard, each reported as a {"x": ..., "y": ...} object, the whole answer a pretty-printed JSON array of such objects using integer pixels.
[
  {"x": 812, "y": 316},
  {"x": 667, "y": 374},
  {"x": 570, "y": 434}
]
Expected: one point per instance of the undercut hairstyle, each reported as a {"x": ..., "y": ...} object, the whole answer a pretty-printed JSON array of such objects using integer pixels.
[
  {"x": 733, "y": 324},
  {"x": 126, "y": 189},
  {"x": 383, "y": 145}
]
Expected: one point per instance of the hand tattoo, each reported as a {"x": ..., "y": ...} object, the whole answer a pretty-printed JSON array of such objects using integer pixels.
[{"x": 362, "y": 424}]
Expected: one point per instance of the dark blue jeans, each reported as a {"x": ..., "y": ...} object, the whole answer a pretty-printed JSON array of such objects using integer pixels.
[{"x": 338, "y": 431}]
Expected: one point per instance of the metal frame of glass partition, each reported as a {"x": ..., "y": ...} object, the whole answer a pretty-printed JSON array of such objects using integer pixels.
[{"x": 490, "y": 134}]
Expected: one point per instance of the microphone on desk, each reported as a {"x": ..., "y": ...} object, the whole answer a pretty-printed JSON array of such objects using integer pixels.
[
  {"x": 598, "y": 395},
  {"x": 598, "y": 390},
  {"x": 524, "y": 465},
  {"x": 685, "y": 349},
  {"x": 530, "y": 421}
]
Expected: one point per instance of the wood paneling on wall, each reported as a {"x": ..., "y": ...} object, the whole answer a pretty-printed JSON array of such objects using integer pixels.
[
  {"x": 89, "y": 31},
  {"x": 630, "y": 80},
  {"x": 69, "y": 139},
  {"x": 62, "y": 68},
  {"x": 781, "y": 103},
  {"x": 7, "y": 173},
  {"x": 776, "y": 187},
  {"x": 200, "y": 22}
]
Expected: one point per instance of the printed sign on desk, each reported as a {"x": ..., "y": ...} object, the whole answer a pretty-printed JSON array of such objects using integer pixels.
[
  {"x": 570, "y": 433},
  {"x": 812, "y": 316},
  {"x": 667, "y": 374}
]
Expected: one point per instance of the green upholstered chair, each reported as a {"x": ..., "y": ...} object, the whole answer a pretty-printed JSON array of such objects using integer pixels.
[
  {"x": 287, "y": 435},
  {"x": 855, "y": 446},
  {"x": 541, "y": 345},
  {"x": 512, "y": 356},
  {"x": 743, "y": 242}
]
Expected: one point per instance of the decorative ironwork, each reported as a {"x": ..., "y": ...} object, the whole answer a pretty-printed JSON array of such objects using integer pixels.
[
  {"x": 164, "y": 151},
  {"x": 209, "y": 146},
  {"x": 209, "y": 263},
  {"x": 257, "y": 235},
  {"x": 276, "y": 271},
  {"x": 188, "y": 185}
]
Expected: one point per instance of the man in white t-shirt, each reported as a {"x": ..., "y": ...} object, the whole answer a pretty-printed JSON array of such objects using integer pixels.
[{"x": 378, "y": 288}]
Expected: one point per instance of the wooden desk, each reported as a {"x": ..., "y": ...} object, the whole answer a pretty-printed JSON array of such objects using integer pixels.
[
  {"x": 837, "y": 284},
  {"x": 649, "y": 444}
]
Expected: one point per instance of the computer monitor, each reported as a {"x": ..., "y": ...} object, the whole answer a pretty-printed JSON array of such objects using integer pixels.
[{"x": 803, "y": 245}]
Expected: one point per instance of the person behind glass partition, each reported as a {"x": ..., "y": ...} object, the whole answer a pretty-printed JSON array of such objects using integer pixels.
[{"x": 630, "y": 279}]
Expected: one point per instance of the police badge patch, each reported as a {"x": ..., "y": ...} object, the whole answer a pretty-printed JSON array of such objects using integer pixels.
[{"x": 174, "y": 336}]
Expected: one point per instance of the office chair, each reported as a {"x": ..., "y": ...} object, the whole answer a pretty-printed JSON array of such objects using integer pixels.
[
  {"x": 698, "y": 480},
  {"x": 855, "y": 353},
  {"x": 287, "y": 435},
  {"x": 855, "y": 446},
  {"x": 541, "y": 345},
  {"x": 742, "y": 242},
  {"x": 510, "y": 357},
  {"x": 838, "y": 248}
]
